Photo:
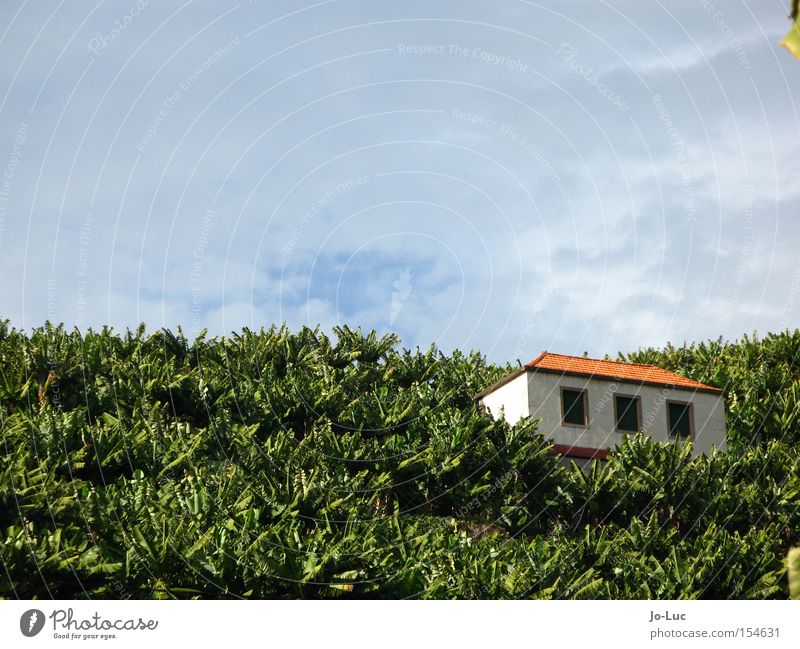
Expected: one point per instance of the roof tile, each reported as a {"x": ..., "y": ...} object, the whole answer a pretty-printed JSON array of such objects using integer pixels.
[{"x": 619, "y": 370}]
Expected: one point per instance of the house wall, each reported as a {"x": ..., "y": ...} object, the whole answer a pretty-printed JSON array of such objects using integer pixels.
[
  {"x": 513, "y": 397},
  {"x": 544, "y": 394}
]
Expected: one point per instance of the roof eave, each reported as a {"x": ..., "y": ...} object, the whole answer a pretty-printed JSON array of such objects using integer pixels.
[{"x": 499, "y": 384}]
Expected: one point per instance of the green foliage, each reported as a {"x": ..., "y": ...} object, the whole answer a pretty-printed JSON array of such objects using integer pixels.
[
  {"x": 793, "y": 565},
  {"x": 792, "y": 40},
  {"x": 279, "y": 464}
]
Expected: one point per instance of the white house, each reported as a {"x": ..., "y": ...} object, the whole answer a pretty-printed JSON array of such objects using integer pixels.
[{"x": 586, "y": 406}]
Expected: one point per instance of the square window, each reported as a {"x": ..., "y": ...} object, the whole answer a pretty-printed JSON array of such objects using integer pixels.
[
  {"x": 573, "y": 407},
  {"x": 626, "y": 411},
  {"x": 679, "y": 419}
]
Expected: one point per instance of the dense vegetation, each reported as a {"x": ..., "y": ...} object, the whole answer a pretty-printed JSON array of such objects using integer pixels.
[{"x": 280, "y": 464}]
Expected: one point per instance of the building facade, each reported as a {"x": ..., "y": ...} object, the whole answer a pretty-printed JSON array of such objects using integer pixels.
[{"x": 587, "y": 406}]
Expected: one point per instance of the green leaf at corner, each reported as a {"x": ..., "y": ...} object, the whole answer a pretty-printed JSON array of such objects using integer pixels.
[
  {"x": 792, "y": 40},
  {"x": 793, "y": 561}
]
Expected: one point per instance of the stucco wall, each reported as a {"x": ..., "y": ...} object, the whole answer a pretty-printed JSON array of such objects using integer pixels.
[
  {"x": 513, "y": 396},
  {"x": 544, "y": 392}
]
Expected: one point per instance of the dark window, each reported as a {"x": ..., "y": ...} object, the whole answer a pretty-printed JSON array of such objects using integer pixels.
[
  {"x": 680, "y": 420},
  {"x": 627, "y": 413},
  {"x": 573, "y": 407}
]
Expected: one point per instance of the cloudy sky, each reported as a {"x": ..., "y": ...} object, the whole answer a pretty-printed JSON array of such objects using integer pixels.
[{"x": 508, "y": 176}]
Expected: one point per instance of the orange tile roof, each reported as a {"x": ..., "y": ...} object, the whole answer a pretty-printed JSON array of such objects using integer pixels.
[{"x": 617, "y": 370}]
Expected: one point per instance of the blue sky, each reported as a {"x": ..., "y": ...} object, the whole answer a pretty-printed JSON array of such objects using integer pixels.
[{"x": 508, "y": 176}]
